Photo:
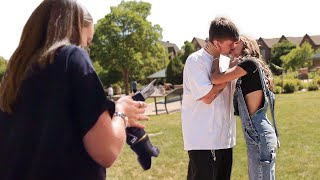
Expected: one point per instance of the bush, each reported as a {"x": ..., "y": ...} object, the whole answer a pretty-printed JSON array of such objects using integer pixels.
[
  {"x": 277, "y": 80},
  {"x": 291, "y": 75},
  {"x": 313, "y": 86},
  {"x": 289, "y": 86},
  {"x": 117, "y": 90},
  {"x": 303, "y": 85},
  {"x": 276, "y": 70},
  {"x": 174, "y": 71},
  {"x": 277, "y": 89},
  {"x": 316, "y": 80}
]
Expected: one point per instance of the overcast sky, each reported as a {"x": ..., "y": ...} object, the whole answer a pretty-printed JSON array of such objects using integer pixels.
[{"x": 182, "y": 20}]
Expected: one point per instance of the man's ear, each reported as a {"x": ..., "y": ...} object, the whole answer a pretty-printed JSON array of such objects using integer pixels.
[{"x": 215, "y": 43}]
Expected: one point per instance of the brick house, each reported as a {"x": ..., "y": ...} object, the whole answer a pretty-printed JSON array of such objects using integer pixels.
[
  {"x": 173, "y": 49},
  {"x": 266, "y": 44}
]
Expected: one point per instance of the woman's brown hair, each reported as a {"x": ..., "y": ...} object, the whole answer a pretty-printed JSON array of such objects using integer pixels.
[
  {"x": 251, "y": 49},
  {"x": 53, "y": 24}
]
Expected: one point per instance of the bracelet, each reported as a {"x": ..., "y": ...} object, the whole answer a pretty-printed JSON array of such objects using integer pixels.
[{"x": 123, "y": 116}]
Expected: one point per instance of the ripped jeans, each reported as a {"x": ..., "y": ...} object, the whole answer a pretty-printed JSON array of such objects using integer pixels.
[{"x": 261, "y": 140}]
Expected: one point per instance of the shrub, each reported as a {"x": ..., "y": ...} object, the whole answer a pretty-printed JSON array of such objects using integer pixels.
[
  {"x": 303, "y": 85},
  {"x": 277, "y": 89},
  {"x": 313, "y": 86},
  {"x": 289, "y": 86},
  {"x": 277, "y": 80},
  {"x": 174, "y": 71},
  {"x": 317, "y": 80},
  {"x": 277, "y": 70}
]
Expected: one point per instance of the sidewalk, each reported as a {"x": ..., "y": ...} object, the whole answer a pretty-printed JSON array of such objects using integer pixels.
[{"x": 172, "y": 108}]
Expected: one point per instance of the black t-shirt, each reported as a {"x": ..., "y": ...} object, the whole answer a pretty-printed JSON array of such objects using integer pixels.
[
  {"x": 55, "y": 108},
  {"x": 251, "y": 81}
]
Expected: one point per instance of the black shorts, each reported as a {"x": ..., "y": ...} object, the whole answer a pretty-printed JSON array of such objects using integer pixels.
[{"x": 210, "y": 164}]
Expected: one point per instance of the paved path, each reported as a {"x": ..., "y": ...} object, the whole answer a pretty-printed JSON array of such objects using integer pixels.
[{"x": 172, "y": 107}]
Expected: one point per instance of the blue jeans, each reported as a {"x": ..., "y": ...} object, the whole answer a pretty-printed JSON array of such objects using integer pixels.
[{"x": 261, "y": 140}]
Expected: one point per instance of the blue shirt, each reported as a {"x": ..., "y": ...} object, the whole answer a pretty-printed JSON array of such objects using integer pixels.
[{"x": 55, "y": 107}]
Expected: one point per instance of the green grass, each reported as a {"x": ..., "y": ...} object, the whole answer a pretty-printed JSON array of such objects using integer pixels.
[{"x": 298, "y": 121}]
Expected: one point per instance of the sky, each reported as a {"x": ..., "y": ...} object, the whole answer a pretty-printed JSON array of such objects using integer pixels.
[{"x": 181, "y": 20}]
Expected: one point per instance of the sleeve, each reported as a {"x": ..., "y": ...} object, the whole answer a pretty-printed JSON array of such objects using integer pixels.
[
  {"x": 198, "y": 79},
  {"x": 248, "y": 66},
  {"x": 88, "y": 99}
]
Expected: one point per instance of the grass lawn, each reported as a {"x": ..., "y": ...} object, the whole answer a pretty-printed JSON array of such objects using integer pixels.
[{"x": 298, "y": 121}]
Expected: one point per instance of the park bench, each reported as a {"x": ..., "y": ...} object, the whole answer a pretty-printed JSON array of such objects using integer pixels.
[{"x": 173, "y": 96}]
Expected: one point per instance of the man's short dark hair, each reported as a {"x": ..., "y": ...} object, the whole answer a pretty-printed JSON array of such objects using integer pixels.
[{"x": 222, "y": 28}]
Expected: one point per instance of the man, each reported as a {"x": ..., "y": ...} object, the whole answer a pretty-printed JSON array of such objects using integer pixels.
[
  {"x": 134, "y": 86},
  {"x": 110, "y": 91},
  {"x": 208, "y": 126}
]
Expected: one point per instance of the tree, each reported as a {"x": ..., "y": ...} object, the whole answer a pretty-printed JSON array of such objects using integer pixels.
[
  {"x": 3, "y": 66},
  {"x": 188, "y": 49},
  {"x": 280, "y": 49},
  {"x": 125, "y": 41},
  {"x": 174, "y": 71},
  {"x": 298, "y": 57}
]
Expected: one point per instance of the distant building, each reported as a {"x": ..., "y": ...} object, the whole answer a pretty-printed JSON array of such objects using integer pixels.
[
  {"x": 173, "y": 49},
  {"x": 198, "y": 43},
  {"x": 316, "y": 60},
  {"x": 266, "y": 44}
]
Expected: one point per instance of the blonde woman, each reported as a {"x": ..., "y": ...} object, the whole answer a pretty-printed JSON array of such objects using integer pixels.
[
  {"x": 55, "y": 120},
  {"x": 252, "y": 95}
]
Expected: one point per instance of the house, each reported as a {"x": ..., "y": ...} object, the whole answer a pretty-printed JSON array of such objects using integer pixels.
[
  {"x": 266, "y": 44},
  {"x": 198, "y": 43},
  {"x": 316, "y": 61},
  {"x": 173, "y": 49}
]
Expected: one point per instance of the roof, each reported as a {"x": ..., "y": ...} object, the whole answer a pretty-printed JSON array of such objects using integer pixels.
[
  {"x": 271, "y": 42},
  {"x": 201, "y": 42},
  {"x": 168, "y": 44},
  {"x": 315, "y": 39},
  {"x": 159, "y": 74},
  {"x": 295, "y": 40}
]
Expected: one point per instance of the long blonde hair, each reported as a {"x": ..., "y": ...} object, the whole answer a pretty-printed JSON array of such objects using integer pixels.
[
  {"x": 53, "y": 24},
  {"x": 251, "y": 49}
]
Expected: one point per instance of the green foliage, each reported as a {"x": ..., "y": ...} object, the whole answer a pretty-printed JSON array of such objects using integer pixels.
[
  {"x": 313, "y": 86},
  {"x": 298, "y": 57},
  {"x": 289, "y": 86},
  {"x": 277, "y": 81},
  {"x": 117, "y": 89},
  {"x": 188, "y": 49},
  {"x": 174, "y": 71},
  {"x": 277, "y": 70},
  {"x": 97, "y": 67},
  {"x": 3, "y": 66},
  {"x": 316, "y": 79},
  {"x": 280, "y": 49},
  {"x": 126, "y": 42},
  {"x": 277, "y": 89}
]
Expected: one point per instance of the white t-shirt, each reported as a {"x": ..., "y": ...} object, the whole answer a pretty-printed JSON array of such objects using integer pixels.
[{"x": 206, "y": 126}]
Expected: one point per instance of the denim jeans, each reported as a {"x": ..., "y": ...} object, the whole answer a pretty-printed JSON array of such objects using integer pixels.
[{"x": 261, "y": 138}]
